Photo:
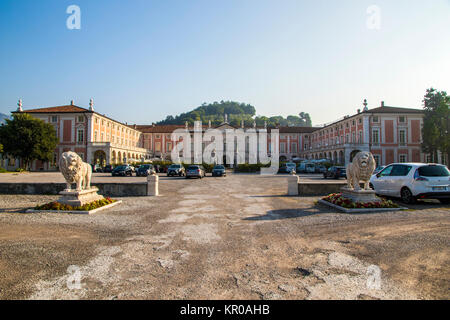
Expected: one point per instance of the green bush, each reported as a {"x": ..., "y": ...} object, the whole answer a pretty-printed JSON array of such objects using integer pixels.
[
  {"x": 250, "y": 167},
  {"x": 64, "y": 207}
]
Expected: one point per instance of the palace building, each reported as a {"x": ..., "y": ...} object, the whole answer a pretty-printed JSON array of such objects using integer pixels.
[{"x": 392, "y": 134}]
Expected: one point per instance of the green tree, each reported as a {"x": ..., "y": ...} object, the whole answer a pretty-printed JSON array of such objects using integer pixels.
[
  {"x": 28, "y": 138},
  {"x": 436, "y": 123}
]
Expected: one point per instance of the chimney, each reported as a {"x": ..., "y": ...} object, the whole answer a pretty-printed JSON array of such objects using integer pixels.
[
  {"x": 19, "y": 105},
  {"x": 71, "y": 102},
  {"x": 382, "y": 104}
]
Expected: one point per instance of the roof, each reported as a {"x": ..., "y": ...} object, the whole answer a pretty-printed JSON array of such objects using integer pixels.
[
  {"x": 58, "y": 109},
  {"x": 170, "y": 128},
  {"x": 387, "y": 109}
]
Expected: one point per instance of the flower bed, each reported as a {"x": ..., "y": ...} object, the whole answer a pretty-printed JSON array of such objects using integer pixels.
[
  {"x": 339, "y": 200},
  {"x": 56, "y": 206}
]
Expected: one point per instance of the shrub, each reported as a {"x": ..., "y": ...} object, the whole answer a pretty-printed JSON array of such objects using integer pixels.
[
  {"x": 64, "y": 207},
  {"x": 338, "y": 199}
]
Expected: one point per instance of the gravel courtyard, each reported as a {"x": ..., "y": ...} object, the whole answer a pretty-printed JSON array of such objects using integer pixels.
[{"x": 237, "y": 237}]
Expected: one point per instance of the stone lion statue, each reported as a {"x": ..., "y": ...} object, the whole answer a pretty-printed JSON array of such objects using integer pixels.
[
  {"x": 75, "y": 170},
  {"x": 361, "y": 169}
]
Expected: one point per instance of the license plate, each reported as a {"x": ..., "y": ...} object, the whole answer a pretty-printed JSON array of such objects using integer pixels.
[{"x": 439, "y": 188}]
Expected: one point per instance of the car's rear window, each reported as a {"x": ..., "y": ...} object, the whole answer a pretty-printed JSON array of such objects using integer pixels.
[
  {"x": 121, "y": 167},
  {"x": 175, "y": 166},
  {"x": 434, "y": 171},
  {"x": 193, "y": 167},
  {"x": 219, "y": 167}
]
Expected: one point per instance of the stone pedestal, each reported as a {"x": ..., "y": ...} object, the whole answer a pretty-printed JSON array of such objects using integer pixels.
[
  {"x": 79, "y": 198},
  {"x": 360, "y": 195},
  {"x": 152, "y": 185},
  {"x": 293, "y": 181}
]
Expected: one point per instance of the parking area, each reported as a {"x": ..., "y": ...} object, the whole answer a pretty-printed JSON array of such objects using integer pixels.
[
  {"x": 107, "y": 177},
  {"x": 237, "y": 237}
]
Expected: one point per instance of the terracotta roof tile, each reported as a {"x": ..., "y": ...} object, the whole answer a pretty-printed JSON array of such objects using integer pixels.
[
  {"x": 386, "y": 109},
  {"x": 58, "y": 109}
]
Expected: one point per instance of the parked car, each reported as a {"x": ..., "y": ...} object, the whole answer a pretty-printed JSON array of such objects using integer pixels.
[
  {"x": 176, "y": 170},
  {"x": 286, "y": 170},
  {"x": 219, "y": 171},
  {"x": 310, "y": 168},
  {"x": 144, "y": 170},
  {"x": 196, "y": 171},
  {"x": 379, "y": 169},
  {"x": 320, "y": 169},
  {"x": 412, "y": 181},
  {"x": 123, "y": 170},
  {"x": 335, "y": 173},
  {"x": 96, "y": 168},
  {"x": 108, "y": 168}
]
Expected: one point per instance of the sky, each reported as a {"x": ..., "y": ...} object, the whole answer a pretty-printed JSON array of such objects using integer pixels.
[{"x": 141, "y": 60}]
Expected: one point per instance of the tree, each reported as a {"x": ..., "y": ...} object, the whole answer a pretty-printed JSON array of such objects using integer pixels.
[
  {"x": 436, "y": 123},
  {"x": 28, "y": 138}
]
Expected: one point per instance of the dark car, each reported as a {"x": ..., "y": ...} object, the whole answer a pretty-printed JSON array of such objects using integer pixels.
[
  {"x": 108, "y": 168},
  {"x": 145, "y": 170},
  {"x": 219, "y": 171},
  {"x": 123, "y": 170},
  {"x": 287, "y": 170},
  {"x": 320, "y": 169},
  {"x": 96, "y": 168},
  {"x": 195, "y": 171},
  {"x": 335, "y": 173},
  {"x": 176, "y": 170}
]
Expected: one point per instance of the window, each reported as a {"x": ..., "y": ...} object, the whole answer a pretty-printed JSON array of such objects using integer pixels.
[
  {"x": 102, "y": 136},
  {"x": 386, "y": 172},
  {"x": 375, "y": 136},
  {"x": 360, "y": 137},
  {"x": 401, "y": 119},
  {"x": 359, "y": 120},
  {"x": 80, "y": 118},
  {"x": 294, "y": 148},
  {"x": 353, "y": 137},
  {"x": 375, "y": 119},
  {"x": 54, "y": 119},
  {"x": 353, "y": 123},
  {"x": 96, "y": 120},
  {"x": 158, "y": 147},
  {"x": 402, "y": 158},
  {"x": 377, "y": 159},
  {"x": 95, "y": 136},
  {"x": 80, "y": 135},
  {"x": 347, "y": 138},
  {"x": 402, "y": 137},
  {"x": 282, "y": 147},
  {"x": 400, "y": 170}
]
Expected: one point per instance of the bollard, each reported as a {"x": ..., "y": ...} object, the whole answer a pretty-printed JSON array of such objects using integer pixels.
[
  {"x": 152, "y": 185},
  {"x": 293, "y": 185}
]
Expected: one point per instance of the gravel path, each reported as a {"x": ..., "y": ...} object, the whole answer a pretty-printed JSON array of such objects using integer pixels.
[{"x": 237, "y": 237}]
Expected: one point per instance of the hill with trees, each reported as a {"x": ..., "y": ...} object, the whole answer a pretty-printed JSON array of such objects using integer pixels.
[{"x": 236, "y": 112}]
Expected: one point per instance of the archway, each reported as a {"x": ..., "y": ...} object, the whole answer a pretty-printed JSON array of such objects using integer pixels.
[
  {"x": 353, "y": 154},
  {"x": 283, "y": 159},
  {"x": 100, "y": 158},
  {"x": 335, "y": 158},
  {"x": 341, "y": 157},
  {"x": 119, "y": 157},
  {"x": 113, "y": 157}
]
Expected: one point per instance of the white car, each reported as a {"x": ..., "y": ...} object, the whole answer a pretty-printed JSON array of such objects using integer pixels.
[{"x": 412, "y": 181}]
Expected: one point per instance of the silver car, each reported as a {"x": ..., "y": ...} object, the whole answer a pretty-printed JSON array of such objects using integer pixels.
[{"x": 195, "y": 171}]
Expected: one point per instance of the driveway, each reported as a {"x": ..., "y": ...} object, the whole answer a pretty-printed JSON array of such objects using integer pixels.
[{"x": 237, "y": 237}]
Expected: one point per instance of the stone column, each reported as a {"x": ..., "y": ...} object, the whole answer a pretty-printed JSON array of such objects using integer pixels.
[
  {"x": 152, "y": 185},
  {"x": 293, "y": 181}
]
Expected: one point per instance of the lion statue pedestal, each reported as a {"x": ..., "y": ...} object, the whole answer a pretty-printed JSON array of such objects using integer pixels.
[
  {"x": 75, "y": 171},
  {"x": 361, "y": 169}
]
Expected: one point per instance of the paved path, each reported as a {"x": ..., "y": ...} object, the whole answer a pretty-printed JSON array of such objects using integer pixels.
[{"x": 237, "y": 237}]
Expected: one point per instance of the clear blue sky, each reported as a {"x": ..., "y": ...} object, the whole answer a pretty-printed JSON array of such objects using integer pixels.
[{"x": 142, "y": 60}]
